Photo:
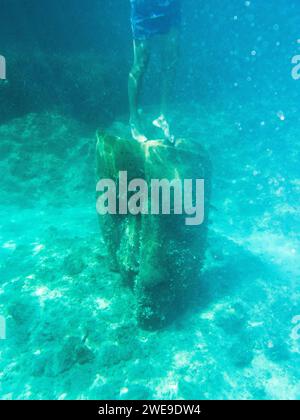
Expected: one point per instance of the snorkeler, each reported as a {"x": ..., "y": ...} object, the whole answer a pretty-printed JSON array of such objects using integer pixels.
[{"x": 150, "y": 18}]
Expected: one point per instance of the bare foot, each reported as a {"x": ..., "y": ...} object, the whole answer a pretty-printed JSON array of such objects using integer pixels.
[
  {"x": 137, "y": 133},
  {"x": 163, "y": 124}
]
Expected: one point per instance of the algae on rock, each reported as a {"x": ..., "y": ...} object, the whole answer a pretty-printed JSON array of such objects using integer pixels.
[{"x": 157, "y": 255}]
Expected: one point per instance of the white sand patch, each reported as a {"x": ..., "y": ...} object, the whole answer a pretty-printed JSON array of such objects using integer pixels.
[
  {"x": 38, "y": 248},
  {"x": 274, "y": 247},
  {"x": 102, "y": 304},
  {"x": 210, "y": 316},
  {"x": 275, "y": 379},
  {"x": 182, "y": 359},
  {"x": 11, "y": 245},
  {"x": 280, "y": 249},
  {"x": 43, "y": 293},
  {"x": 168, "y": 387},
  {"x": 124, "y": 391}
]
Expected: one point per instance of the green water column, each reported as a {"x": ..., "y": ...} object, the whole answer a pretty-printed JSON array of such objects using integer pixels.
[{"x": 158, "y": 256}]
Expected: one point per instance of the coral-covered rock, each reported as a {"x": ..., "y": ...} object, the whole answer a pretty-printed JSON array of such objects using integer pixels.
[{"x": 159, "y": 256}]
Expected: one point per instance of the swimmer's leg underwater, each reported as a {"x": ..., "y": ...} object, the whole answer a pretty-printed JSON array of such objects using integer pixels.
[
  {"x": 169, "y": 60},
  {"x": 163, "y": 29},
  {"x": 136, "y": 76}
]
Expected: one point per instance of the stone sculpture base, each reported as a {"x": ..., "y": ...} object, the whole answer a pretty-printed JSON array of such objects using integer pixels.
[{"x": 158, "y": 256}]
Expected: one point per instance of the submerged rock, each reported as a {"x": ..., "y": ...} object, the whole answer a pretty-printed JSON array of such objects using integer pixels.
[
  {"x": 241, "y": 355},
  {"x": 158, "y": 256},
  {"x": 74, "y": 264},
  {"x": 84, "y": 355}
]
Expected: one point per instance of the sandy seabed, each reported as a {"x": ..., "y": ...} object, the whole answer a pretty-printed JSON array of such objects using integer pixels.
[{"x": 70, "y": 324}]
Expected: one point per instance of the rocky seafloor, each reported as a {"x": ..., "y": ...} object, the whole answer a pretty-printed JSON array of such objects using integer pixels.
[{"x": 70, "y": 326}]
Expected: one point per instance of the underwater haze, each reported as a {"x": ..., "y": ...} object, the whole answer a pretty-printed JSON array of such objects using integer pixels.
[{"x": 68, "y": 328}]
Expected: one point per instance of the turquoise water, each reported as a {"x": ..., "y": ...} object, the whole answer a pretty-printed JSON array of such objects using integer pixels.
[{"x": 71, "y": 332}]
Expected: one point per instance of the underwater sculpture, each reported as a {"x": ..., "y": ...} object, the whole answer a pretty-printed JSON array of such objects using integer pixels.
[{"x": 158, "y": 256}]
